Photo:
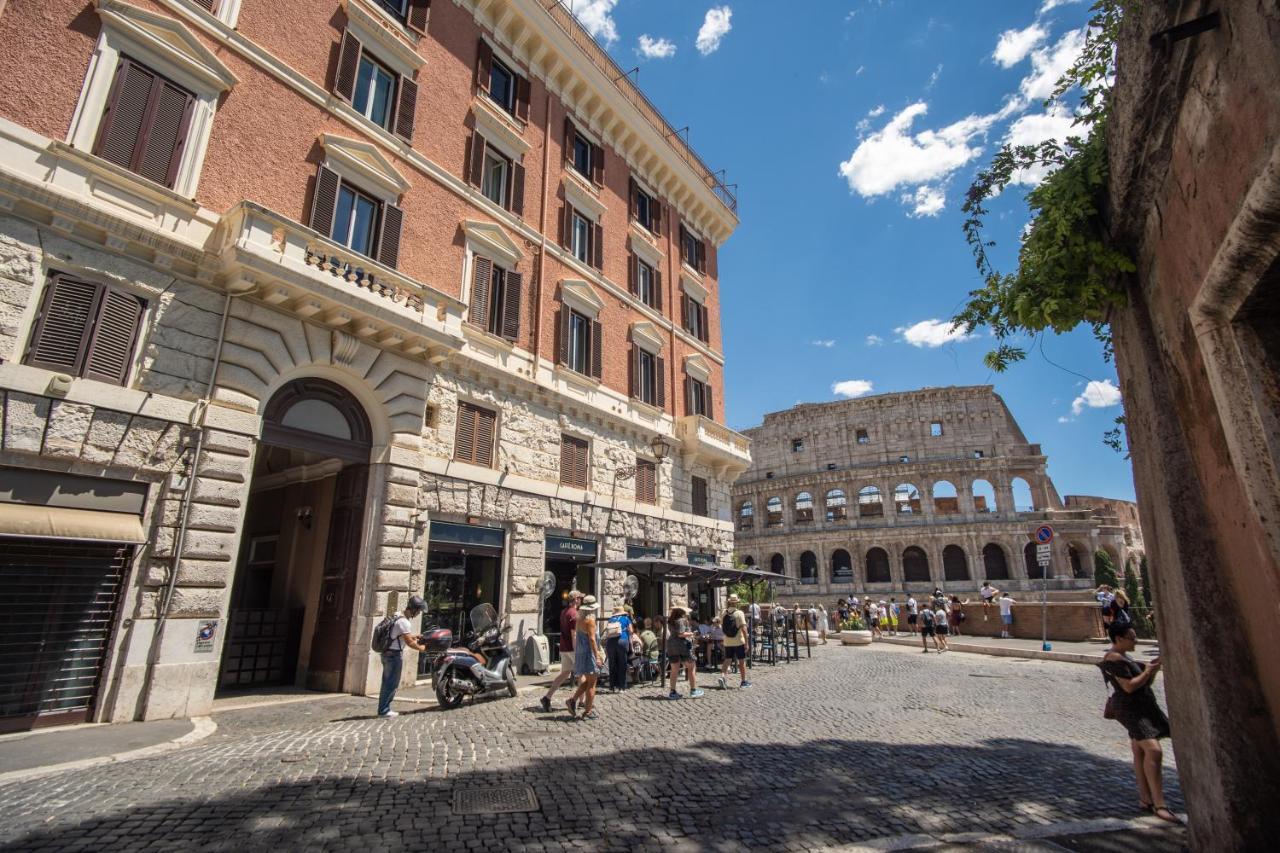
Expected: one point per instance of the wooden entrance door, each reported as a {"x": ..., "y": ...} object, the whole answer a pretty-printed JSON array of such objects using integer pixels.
[{"x": 331, "y": 641}]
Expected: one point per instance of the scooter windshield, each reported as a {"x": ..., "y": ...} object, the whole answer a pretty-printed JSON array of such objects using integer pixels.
[{"x": 483, "y": 617}]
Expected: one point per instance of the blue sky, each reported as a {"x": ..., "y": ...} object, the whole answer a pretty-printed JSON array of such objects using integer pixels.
[{"x": 853, "y": 129}]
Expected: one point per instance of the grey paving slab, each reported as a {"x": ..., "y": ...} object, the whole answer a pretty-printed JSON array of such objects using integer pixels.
[{"x": 43, "y": 748}]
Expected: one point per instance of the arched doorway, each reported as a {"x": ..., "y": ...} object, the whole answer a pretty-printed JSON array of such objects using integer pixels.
[
  {"x": 778, "y": 564},
  {"x": 1029, "y": 559},
  {"x": 1074, "y": 553},
  {"x": 878, "y": 566},
  {"x": 915, "y": 565},
  {"x": 808, "y": 567},
  {"x": 841, "y": 566},
  {"x": 293, "y": 595},
  {"x": 955, "y": 565},
  {"x": 995, "y": 566}
]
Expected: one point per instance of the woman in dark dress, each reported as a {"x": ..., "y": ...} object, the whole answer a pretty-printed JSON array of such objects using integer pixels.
[{"x": 1134, "y": 705}]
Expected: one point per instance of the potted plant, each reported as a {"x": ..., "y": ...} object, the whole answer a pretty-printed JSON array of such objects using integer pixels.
[{"x": 853, "y": 632}]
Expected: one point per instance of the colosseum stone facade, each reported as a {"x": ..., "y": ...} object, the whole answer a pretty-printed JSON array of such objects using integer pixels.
[{"x": 908, "y": 491}]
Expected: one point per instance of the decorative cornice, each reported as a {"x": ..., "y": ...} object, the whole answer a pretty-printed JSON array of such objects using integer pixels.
[
  {"x": 391, "y": 42},
  {"x": 498, "y": 128},
  {"x": 168, "y": 38},
  {"x": 692, "y": 284},
  {"x": 697, "y": 367},
  {"x": 578, "y": 294},
  {"x": 583, "y": 199},
  {"x": 647, "y": 336},
  {"x": 492, "y": 241}
]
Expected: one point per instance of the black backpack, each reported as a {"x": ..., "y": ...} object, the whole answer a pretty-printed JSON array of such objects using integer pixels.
[
  {"x": 730, "y": 625},
  {"x": 927, "y": 617},
  {"x": 381, "y": 642}
]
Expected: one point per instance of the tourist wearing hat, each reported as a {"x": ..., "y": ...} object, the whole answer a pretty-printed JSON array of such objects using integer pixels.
[
  {"x": 587, "y": 660},
  {"x": 734, "y": 625},
  {"x": 617, "y": 642},
  {"x": 568, "y": 629},
  {"x": 393, "y": 657}
]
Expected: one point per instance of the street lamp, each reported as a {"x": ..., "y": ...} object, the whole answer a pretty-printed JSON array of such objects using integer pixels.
[{"x": 659, "y": 447}]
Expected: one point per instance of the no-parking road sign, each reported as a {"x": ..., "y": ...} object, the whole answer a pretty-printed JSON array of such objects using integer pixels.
[{"x": 1044, "y": 534}]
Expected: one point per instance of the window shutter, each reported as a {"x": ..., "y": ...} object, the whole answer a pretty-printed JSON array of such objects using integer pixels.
[
  {"x": 126, "y": 112},
  {"x": 389, "y": 238},
  {"x": 419, "y": 14},
  {"x": 165, "y": 134},
  {"x": 657, "y": 290},
  {"x": 486, "y": 421},
  {"x": 702, "y": 256},
  {"x": 634, "y": 199},
  {"x": 597, "y": 349},
  {"x": 66, "y": 316},
  {"x": 566, "y": 461},
  {"x": 406, "y": 108},
  {"x": 562, "y": 335},
  {"x": 703, "y": 334},
  {"x": 344, "y": 82},
  {"x": 111, "y": 348},
  {"x": 464, "y": 443},
  {"x": 511, "y": 299},
  {"x": 566, "y": 227},
  {"x": 655, "y": 217},
  {"x": 688, "y": 395},
  {"x": 524, "y": 93},
  {"x": 206, "y": 4},
  {"x": 660, "y": 382},
  {"x": 584, "y": 464},
  {"x": 633, "y": 272},
  {"x": 597, "y": 165},
  {"x": 699, "y": 496},
  {"x": 684, "y": 255},
  {"x": 481, "y": 281},
  {"x": 597, "y": 246},
  {"x": 475, "y": 160},
  {"x": 684, "y": 311},
  {"x": 633, "y": 373},
  {"x": 708, "y": 408},
  {"x": 574, "y": 461},
  {"x": 484, "y": 65},
  {"x": 517, "y": 189},
  {"x": 646, "y": 481},
  {"x": 569, "y": 133},
  {"x": 324, "y": 201}
]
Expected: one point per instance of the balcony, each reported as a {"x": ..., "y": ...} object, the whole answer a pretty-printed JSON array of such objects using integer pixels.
[
  {"x": 293, "y": 268},
  {"x": 705, "y": 441}
]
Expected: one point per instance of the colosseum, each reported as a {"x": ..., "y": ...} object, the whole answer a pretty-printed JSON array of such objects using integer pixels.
[{"x": 908, "y": 491}]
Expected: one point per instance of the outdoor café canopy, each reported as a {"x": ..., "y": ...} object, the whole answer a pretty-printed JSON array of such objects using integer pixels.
[{"x": 671, "y": 571}]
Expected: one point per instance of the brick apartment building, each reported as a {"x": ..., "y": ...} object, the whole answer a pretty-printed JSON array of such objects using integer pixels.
[{"x": 309, "y": 305}]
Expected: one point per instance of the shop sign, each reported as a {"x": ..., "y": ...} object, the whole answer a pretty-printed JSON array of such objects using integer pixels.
[
  {"x": 563, "y": 546},
  {"x": 702, "y": 559},
  {"x": 467, "y": 534},
  {"x": 644, "y": 552}
]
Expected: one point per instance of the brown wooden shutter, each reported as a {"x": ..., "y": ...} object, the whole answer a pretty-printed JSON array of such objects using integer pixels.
[
  {"x": 657, "y": 290},
  {"x": 703, "y": 333},
  {"x": 634, "y": 199},
  {"x": 324, "y": 201},
  {"x": 484, "y": 65},
  {"x": 419, "y": 15},
  {"x": 406, "y": 109},
  {"x": 684, "y": 311},
  {"x": 517, "y": 189},
  {"x": 389, "y": 236},
  {"x": 207, "y": 4},
  {"x": 688, "y": 395},
  {"x": 699, "y": 496},
  {"x": 633, "y": 273},
  {"x": 562, "y": 335},
  {"x": 655, "y": 217},
  {"x": 486, "y": 431},
  {"x": 702, "y": 256},
  {"x": 110, "y": 349},
  {"x": 511, "y": 301},
  {"x": 481, "y": 281},
  {"x": 597, "y": 165},
  {"x": 575, "y": 463},
  {"x": 597, "y": 349},
  {"x": 708, "y": 406},
  {"x": 646, "y": 481},
  {"x": 633, "y": 373},
  {"x": 165, "y": 134},
  {"x": 569, "y": 133},
  {"x": 597, "y": 246},
  {"x": 63, "y": 327},
  {"x": 475, "y": 160},
  {"x": 126, "y": 111},
  {"x": 344, "y": 81},
  {"x": 524, "y": 93},
  {"x": 567, "y": 467},
  {"x": 566, "y": 227},
  {"x": 464, "y": 442},
  {"x": 684, "y": 256},
  {"x": 660, "y": 382},
  {"x": 584, "y": 464}
]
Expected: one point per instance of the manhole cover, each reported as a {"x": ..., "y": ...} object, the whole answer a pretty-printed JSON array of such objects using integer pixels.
[{"x": 503, "y": 799}]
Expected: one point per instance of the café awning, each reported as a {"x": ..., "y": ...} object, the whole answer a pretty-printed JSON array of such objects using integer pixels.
[
  {"x": 51, "y": 522},
  {"x": 671, "y": 571}
]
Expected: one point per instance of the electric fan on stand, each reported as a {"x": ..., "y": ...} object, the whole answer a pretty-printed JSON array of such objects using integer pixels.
[{"x": 537, "y": 654}]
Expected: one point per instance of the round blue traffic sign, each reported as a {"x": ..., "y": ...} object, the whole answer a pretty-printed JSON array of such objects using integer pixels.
[{"x": 1044, "y": 534}]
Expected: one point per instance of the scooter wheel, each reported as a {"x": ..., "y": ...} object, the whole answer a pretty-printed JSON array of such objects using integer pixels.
[
  {"x": 447, "y": 693},
  {"x": 511, "y": 683}
]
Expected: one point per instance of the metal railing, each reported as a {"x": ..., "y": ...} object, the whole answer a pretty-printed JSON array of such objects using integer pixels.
[{"x": 568, "y": 21}]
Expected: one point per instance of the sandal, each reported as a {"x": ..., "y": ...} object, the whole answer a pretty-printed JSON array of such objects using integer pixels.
[
  {"x": 1161, "y": 811},
  {"x": 1144, "y": 807},
  {"x": 572, "y": 705}
]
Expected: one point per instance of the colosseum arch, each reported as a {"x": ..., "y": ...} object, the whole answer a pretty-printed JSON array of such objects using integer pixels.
[
  {"x": 804, "y": 507},
  {"x": 841, "y": 566},
  {"x": 995, "y": 565},
  {"x": 946, "y": 500},
  {"x": 778, "y": 564},
  {"x": 955, "y": 564},
  {"x": 870, "y": 502},
  {"x": 808, "y": 567},
  {"x": 746, "y": 515},
  {"x": 984, "y": 496},
  {"x": 773, "y": 511},
  {"x": 1023, "y": 498},
  {"x": 878, "y": 566},
  {"x": 915, "y": 565},
  {"x": 749, "y": 561},
  {"x": 906, "y": 499},
  {"x": 836, "y": 505},
  {"x": 1029, "y": 559},
  {"x": 1078, "y": 556}
]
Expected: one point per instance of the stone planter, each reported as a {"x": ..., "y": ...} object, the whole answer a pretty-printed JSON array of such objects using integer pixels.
[{"x": 855, "y": 638}]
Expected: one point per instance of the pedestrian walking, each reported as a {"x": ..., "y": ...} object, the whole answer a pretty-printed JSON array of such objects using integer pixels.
[
  {"x": 926, "y": 629},
  {"x": 1006, "y": 615},
  {"x": 873, "y": 618},
  {"x": 956, "y": 615},
  {"x": 893, "y": 616},
  {"x": 393, "y": 655},
  {"x": 1133, "y": 704},
  {"x": 913, "y": 614},
  {"x": 568, "y": 629},
  {"x": 617, "y": 642},
  {"x": 824, "y": 623},
  {"x": 734, "y": 625},
  {"x": 587, "y": 660},
  {"x": 680, "y": 652},
  {"x": 941, "y": 629}
]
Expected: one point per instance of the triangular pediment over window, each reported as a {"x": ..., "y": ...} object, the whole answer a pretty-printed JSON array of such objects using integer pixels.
[
  {"x": 166, "y": 37},
  {"x": 579, "y": 295},
  {"x": 491, "y": 240},
  {"x": 366, "y": 161},
  {"x": 697, "y": 367}
]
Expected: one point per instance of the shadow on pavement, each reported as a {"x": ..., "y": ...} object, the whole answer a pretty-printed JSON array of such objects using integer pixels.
[{"x": 710, "y": 796}]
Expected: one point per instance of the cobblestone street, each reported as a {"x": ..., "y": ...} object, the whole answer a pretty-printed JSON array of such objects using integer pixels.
[{"x": 853, "y": 745}]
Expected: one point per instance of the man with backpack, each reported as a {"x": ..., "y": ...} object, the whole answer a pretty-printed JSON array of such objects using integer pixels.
[
  {"x": 390, "y": 637},
  {"x": 734, "y": 626}
]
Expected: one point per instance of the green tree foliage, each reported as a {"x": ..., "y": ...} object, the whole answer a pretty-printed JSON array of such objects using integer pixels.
[
  {"x": 1104, "y": 570},
  {"x": 752, "y": 591},
  {"x": 1146, "y": 580},
  {"x": 1142, "y": 621}
]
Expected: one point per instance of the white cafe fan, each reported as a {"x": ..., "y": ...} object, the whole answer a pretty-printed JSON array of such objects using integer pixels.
[
  {"x": 630, "y": 587},
  {"x": 546, "y": 589},
  {"x": 537, "y": 657}
]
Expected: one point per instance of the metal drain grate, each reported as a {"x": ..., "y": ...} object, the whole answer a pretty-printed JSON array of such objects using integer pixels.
[{"x": 505, "y": 799}]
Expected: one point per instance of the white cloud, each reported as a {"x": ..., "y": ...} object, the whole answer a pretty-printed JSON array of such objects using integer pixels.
[
  {"x": 861, "y": 68},
  {"x": 931, "y": 333},
  {"x": 715, "y": 26},
  {"x": 874, "y": 340},
  {"x": 1050, "y": 5},
  {"x": 851, "y": 388},
  {"x": 1014, "y": 45},
  {"x": 1050, "y": 63},
  {"x": 826, "y": 343},
  {"x": 1063, "y": 419},
  {"x": 893, "y": 157},
  {"x": 876, "y": 111},
  {"x": 864, "y": 124},
  {"x": 933, "y": 78},
  {"x": 927, "y": 201},
  {"x": 597, "y": 17},
  {"x": 1096, "y": 395},
  {"x": 656, "y": 48}
]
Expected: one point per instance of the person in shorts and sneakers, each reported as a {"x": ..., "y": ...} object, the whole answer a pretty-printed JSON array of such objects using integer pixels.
[
  {"x": 734, "y": 626},
  {"x": 940, "y": 630},
  {"x": 1006, "y": 614},
  {"x": 913, "y": 614},
  {"x": 926, "y": 628},
  {"x": 680, "y": 636},
  {"x": 393, "y": 657},
  {"x": 568, "y": 629}
]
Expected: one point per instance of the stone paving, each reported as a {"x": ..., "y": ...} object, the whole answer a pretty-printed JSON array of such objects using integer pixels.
[{"x": 853, "y": 745}]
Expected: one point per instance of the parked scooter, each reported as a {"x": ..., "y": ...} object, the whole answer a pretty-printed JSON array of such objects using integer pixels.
[{"x": 479, "y": 667}]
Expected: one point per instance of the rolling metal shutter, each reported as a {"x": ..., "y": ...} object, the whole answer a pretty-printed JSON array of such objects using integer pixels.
[{"x": 58, "y": 603}]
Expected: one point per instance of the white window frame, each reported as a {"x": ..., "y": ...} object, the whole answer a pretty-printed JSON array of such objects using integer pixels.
[
  {"x": 372, "y": 59},
  {"x": 493, "y": 155},
  {"x": 489, "y": 241},
  {"x": 387, "y": 39},
  {"x": 167, "y": 47},
  {"x": 227, "y": 11},
  {"x": 584, "y": 234},
  {"x": 365, "y": 166}
]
